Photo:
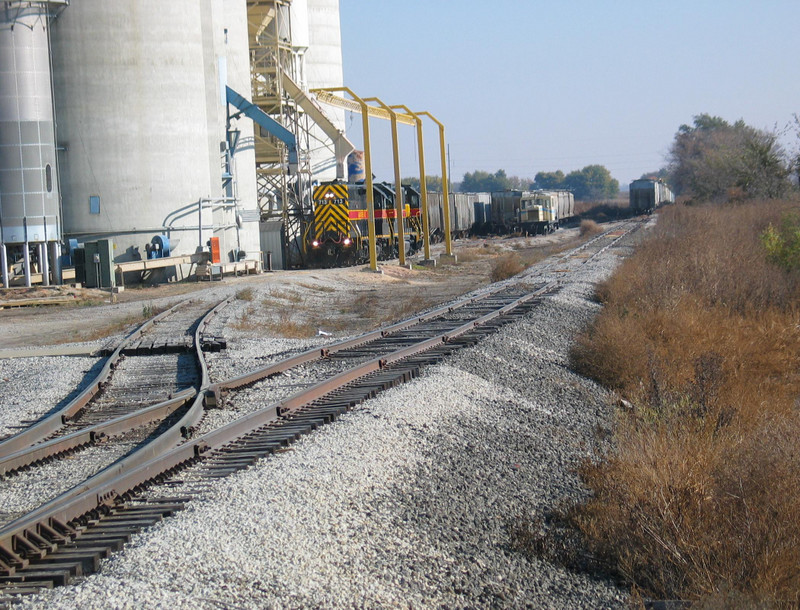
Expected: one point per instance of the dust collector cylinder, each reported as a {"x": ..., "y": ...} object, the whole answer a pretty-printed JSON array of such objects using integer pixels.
[{"x": 29, "y": 200}]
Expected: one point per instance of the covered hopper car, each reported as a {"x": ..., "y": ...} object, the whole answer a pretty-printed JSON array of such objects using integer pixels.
[{"x": 646, "y": 194}]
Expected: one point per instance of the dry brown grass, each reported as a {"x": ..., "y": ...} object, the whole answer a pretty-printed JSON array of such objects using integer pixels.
[
  {"x": 700, "y": 498},
  {"x": 245, "y": 294},
  {"x": 506, "y": 266},
  {"x": 472, "y": 254},
  {"x": 590, "y": 227},
  {"x": 317, "y": 287}
]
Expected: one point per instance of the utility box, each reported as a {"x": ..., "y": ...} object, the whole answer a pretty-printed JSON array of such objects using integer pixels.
[
  {"x": 215, "y": 252},
  {"x": 99, "y": 264},
  {"x": 79, "y": 261}
]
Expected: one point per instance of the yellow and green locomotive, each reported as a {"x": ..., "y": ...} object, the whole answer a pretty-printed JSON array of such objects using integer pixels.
[{"x": 337, "y": 233}]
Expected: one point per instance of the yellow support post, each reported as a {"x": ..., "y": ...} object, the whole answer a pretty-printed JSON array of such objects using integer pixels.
[
  {"x": 365, "y": 108},
  {"x": 426, "y": 238},
  {"x": 445, "y": 188},
  {"x": 398, "y": 187}
]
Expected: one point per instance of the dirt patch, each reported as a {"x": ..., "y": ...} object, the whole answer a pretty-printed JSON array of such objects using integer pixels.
[{"x": 292, "y": 303}]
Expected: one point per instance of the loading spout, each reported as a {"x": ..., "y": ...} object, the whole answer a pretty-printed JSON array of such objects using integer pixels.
[
  {"x": 341, "y": 145},
  {"x": 261, "y": 118}
]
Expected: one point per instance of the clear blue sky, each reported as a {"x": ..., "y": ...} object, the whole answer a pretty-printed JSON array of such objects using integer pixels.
[{"x": 540, "y": 86}]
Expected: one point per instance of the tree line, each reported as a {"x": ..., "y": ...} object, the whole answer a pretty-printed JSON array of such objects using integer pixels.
[
  {"x": 593, "y": 182},
  {"x": 709, "y": 160}
]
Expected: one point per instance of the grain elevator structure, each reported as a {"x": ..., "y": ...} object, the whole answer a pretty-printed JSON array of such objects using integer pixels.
[{"x": 169, "y": 132}]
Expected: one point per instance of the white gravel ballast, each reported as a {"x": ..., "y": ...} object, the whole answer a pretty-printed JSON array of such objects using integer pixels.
[{"x": 407, "y": 501}]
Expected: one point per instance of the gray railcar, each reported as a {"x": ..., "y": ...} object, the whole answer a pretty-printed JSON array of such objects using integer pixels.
[
  {"x": 646, "y": 194},
  {"x": 505, "y": 209},
  {"x": 462, "y": 214}
]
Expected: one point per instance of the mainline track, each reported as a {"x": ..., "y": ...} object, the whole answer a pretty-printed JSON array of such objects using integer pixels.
[{"x": 77, "y": 528}]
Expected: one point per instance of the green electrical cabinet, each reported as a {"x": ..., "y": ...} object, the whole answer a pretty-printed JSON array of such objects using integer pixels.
[{"x": 99, "y": 264}]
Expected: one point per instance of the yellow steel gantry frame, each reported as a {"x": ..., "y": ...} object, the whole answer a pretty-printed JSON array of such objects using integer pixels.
[
  {"x": 398, "y": 187},
  {"x": 423, "y": 187},
  {"x": 364, "y": 110},
  {"x": 408, "y": 117},
  {"x": 448, "y": 245}
]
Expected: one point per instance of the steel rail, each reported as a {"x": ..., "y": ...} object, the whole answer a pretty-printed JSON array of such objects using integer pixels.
[
  {"x": 94, "y": 434},
  {"x": 33, "y": 534},
  {"x": 28, "y": 535},
  {"x": 323, "y": 352},
  {"x": 57, "y": 420},
  {"x": 318, "y": 353}
]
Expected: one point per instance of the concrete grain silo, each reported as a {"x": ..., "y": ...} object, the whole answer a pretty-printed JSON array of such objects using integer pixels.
[
  {"x": 29, "y": 201},
  {"x": 323, "y": 68},
  {"x": 116, "y": 127},
  {"x": 141, "y": 122}
]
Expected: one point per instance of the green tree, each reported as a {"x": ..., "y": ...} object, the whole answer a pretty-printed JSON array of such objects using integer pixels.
[
  {"x": 549, "y": 180},
  {"x": 592, "y": 183},
  {"x": 520, "y": 184},
  {"x": 432, "y": 183},
  {"x": 662, "y": 174},
  {"x": 713, "y": 159},
  {"x": 795, "y": 159},
  {"x": 480, "y": 181}
]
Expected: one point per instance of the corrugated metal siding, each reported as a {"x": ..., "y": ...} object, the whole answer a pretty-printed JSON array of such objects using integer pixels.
[{"x": 272, "y": 241}]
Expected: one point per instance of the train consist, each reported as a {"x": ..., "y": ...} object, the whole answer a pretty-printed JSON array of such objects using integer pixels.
[
  {"x": 336, "y": 231},
  {"x": 646, "y": 194}
]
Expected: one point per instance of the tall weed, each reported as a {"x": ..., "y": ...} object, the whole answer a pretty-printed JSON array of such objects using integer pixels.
[{"x": 700, "y": 498}]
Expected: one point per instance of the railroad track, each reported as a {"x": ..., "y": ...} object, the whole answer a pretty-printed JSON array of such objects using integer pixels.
[
  {"x": 68, "y": 536},
  {"x": 133, "y": 401}
]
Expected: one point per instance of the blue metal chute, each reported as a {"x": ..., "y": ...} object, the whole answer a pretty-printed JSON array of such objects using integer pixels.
[{"x": 261, "y": 118}]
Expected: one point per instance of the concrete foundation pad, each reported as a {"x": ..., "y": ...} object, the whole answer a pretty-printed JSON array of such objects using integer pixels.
[{"x": 448, "y": 259}]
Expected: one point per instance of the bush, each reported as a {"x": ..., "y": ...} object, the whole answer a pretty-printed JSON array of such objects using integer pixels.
[
  {"x": 506, "y": 266},
  {"x": 590, "y": 227},
  {"x": 701, "y": 333},
  {"x": 783, "y": 245}
]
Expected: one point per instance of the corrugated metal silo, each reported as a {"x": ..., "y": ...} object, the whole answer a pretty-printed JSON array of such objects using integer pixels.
[{"x": 29, "y": 199}]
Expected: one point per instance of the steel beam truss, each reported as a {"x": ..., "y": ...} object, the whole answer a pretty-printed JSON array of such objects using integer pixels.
[{"x": 283, "y": 190}]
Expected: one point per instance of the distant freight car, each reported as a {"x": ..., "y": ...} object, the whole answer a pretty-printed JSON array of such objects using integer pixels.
[
  {"x": 646, "y": 194},
  {"x": 530, "y": 211},
  {"x": 544, "y": 211},
  {"x": 462, "y": 214}
]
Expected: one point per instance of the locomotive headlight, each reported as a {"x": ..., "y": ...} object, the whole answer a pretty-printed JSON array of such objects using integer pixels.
[
  {"x": 346, "y": 241},
  {"x": 315, "y": 243}
]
